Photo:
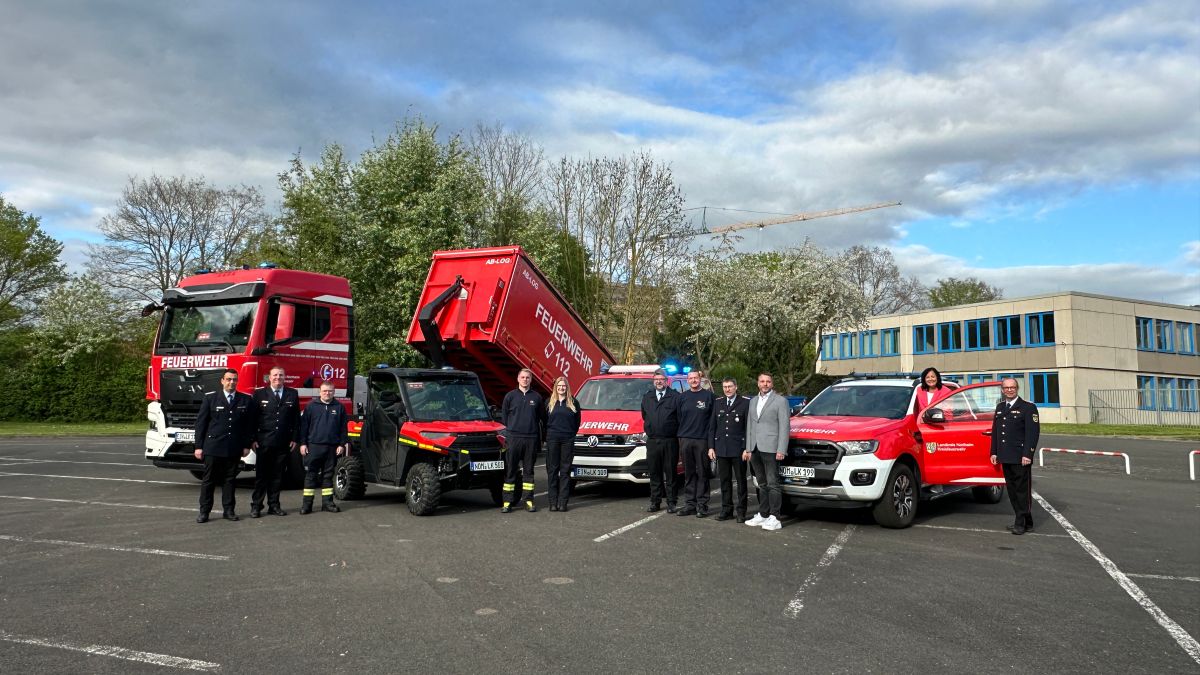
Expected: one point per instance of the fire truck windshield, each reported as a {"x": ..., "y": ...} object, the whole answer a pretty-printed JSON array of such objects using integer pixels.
[
  {"x": 616, "y": 393},
  {"x": 448, "y": 400},
  {"x": 847, "y": 400},
  {"x": 206, "y": 329}
]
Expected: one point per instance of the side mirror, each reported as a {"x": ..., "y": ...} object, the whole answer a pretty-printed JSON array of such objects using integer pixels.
[
  {"x": 494, "y": 410},
  {"x": 935, "y": 416},
  {"x": 262, "y": 351},
  {"x": 150, "y": 309}
]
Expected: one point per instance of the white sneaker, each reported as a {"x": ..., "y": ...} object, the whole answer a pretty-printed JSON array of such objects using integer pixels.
[
  {"x": 756, "y": 521},
  {"x": 771, "y": 524}
]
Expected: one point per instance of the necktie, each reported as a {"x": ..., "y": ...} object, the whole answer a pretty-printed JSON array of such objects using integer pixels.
[
  {"x": 229, "y": 397},
  {"x": 728, "y": 403},
  {"x": 660, "y": 395},
  {"x": 278, "y": 394}
]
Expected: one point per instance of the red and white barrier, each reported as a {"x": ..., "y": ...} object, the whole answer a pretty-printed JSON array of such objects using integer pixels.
[
  {"x": 1042, "y": 462},
  {"x": 1192, "y": 463}
]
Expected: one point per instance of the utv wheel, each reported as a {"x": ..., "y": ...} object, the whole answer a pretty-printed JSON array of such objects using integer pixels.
[
  {"x": 898, "y": 506},
  {"x": 348, "y": 481},
  {"x": 198, "y": 474},
  {"x": 424, "y": 490},
  {"x": 293, "y": 472},
  {"x": 497, "y": 491},
  {"x": 988, "y": 494}
]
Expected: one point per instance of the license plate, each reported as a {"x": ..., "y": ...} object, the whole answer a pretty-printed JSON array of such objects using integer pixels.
[
  {"x": 797, "y": 472},
  {"x": 185, "y": 436},
  {"x": 589, "y": 473},
  {"x": 494, "y": 465}
]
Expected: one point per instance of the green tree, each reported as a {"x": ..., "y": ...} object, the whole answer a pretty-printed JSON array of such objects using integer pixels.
[
  {"x": 953, "y": 291},
  {"x": 29, "y": 264}
]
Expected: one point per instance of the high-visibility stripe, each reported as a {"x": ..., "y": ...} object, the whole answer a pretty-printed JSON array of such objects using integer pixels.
[
  {"x": 423, "y": 446},
  {"x": 308, "y": 492},
  {"x": 326, "y": 492},
  {"x": 527, "y": 486},
  {"x": 509, "y": 487}
]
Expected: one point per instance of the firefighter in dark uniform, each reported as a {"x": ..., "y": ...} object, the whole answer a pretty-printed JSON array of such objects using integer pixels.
[
  {"x": 727, "y": 440},
  {"x": 523, "y": 414},
  {"x": 277, "y": 428},
  {"x": 322, "y": 441},
  {"x": 660, "y": 420},
  {"x": 223, "y": 438},
  {"x": 695, "y": 422},
  {"x": 1015, "y": 430}
]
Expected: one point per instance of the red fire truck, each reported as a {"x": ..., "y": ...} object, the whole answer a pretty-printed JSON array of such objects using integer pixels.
[{"x": 250, "y": 320}]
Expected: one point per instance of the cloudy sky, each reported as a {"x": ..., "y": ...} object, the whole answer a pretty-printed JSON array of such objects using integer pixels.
[{"x": 1041, "y": 145}]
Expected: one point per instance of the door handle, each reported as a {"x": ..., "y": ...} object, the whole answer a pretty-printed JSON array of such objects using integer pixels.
[{"x": 987, "y": 433}]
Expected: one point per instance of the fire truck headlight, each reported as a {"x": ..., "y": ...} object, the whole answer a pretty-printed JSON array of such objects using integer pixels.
[
  {"x": 636, "y": 439},
  {"x": 860, "y": 447}
]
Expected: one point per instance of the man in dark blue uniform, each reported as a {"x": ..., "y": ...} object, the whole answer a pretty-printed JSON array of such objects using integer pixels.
[
  {"x": 523, "y": 414},
  {"x": 695, "y": 417},
  {"x": 322, "y": 440},
  {"x": 277, "y": 425},
  {"x": 727, "y": 440},
  {"x": 1015, "y": 430},
  {"x": 223, "y": 438},
  {"x": 660, "y": 421}
]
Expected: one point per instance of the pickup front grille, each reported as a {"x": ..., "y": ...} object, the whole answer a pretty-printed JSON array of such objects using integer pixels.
[{"x": 815, "y": 452}]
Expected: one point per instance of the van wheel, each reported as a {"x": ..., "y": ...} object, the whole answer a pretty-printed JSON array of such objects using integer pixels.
[
  {"x": 898, "y": 506},
  {"x": 348, "y": 478},
  {"x": 424, "y": 489},
  {"x": 988, "y": 494}
]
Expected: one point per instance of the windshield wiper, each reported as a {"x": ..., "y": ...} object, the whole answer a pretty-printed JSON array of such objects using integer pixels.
[
  {"x": 182, "y": 345},
  {"x": 217, "y": 342}
]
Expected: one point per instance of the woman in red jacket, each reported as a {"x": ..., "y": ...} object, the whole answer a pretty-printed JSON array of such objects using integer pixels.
[{"x": 931, "y": 388}]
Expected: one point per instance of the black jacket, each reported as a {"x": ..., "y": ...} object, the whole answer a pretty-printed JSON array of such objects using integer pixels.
[
  {"x": 695, "y": 413},
  {"x": 562, "y": 423},
  {"x": 323, "y": 423},
  {"x": 1015, "y": 431},
  {"x": 523, "y": 415},
  {"x": 224, "y": 430},
  {"x": 277, "y": 419},
  {"x": 728, "y": 428},
  {"x": 660, "y": 419}
]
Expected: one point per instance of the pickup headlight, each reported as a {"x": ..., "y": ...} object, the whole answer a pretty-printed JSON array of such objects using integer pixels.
[
  {"x": 636, "y": 439},
  {"x": 860, "y": 447}
]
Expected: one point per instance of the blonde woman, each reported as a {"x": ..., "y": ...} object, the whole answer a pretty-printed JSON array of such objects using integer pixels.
[{"x": 562, "y": 423}]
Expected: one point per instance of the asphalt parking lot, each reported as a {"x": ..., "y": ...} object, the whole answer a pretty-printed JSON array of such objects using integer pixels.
[{"x": 103, "y": 570}]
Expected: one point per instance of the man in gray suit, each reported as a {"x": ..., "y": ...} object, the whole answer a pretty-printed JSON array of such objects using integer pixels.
[{"x": 766, "y": 445}]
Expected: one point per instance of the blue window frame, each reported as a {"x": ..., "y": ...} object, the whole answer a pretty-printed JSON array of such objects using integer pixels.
[
  {"x": 953, "y": 377},
  {"x": 950, "y": 337},
  {"x": 1039, "y": 329},
  {"x": 869, "y": 344},
  {"x": 924, "y": 339},
  {"x": 976, "y": 378},
  {"x": 849, "y": 345},
  {"x": 1043, "y": 389},
  {"x": 889, "y": 342},
  {"x": 1008, "y": 332},
  {"x": 1020, "y": 378},
  {"x": 1146, "y": 392},
  {"x": 829, "y": 347},
  {"x": 1164, "y": 331},
  {"x": 1187, "y": 395},
  {"x": 1185, "y": 337},
  {"x": 1145, "y": 334},
  {"x": 1166, "y": 393},
  {"x": 979, "y": 334}
]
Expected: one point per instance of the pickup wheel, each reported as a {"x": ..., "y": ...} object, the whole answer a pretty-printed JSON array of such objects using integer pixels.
[
  {"x": 348, "y": 478},
  {"x": 424, "y": 489},
  {"x": 988, "y": 494},
  {"x": 898, "y": 506}
]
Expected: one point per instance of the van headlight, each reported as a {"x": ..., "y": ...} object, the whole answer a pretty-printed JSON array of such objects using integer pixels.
[
  {"x": 859, "y": 447},
  {"x": 636, "y": 439}
]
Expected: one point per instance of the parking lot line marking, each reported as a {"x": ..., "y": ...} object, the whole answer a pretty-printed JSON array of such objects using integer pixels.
[
  {"x": 34, "y": 460},
  {"x": 80, "y": 501},
  {"x": 100, "y": 452},
  {"x": 1162, "y": 576},
  {"x": 793, "y": 608},
  {"x": 115, "y": 652},
  {"x": 123, "y": 480},
  {"x": 980, "y": 529},
  {"x": 1181, "y": 636},
  {"x": 107, "y": 547},
  {"x": 627, "y": 528}
]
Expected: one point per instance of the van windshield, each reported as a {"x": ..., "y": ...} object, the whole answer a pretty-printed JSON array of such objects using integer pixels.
[
  {"x": 890, "y": 402},
  {"x": 617, "y": 393}
]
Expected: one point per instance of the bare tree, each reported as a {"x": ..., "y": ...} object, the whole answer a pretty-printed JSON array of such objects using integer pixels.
[
  {"x": 512, "y": 168},
  {"x": 873, "y": 270},
  {"x": 164, "y": 228}
]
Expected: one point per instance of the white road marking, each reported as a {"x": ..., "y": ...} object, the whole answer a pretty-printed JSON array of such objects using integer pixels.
[
  {"x": 115, "y": 652},
  {"x": 123, "y": 549},
  {"x": 31, "y": 460},
  {"x": 1162, "y": 576},
  {"x": 1181, "y": 636},
  {"x": 628, "y": 527},
  {"x": 980, "y": 529},
  {"x": 123, "y": 480},
  {"x": 80, "y": 501},
  {"x": 793, "y": 608},
  {"x": 101, "y": 452}
]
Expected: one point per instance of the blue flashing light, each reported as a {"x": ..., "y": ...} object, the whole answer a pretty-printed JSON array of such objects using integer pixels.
[
  {"x": 264, "y": 265},
  {"x": 670, "y": 368},
  {"x": 687, "y": 369},
  {"x": 203, "y": 270},
  {"x": 381, "y": 365}
]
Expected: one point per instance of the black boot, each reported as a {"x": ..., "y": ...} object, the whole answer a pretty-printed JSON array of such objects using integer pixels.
[
  {"x": 328, "y": 505},
  {"x": 306, "y": 506}
]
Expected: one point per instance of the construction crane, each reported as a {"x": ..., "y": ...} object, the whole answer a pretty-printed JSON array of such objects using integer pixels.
[{"x": 724, "y": 229}]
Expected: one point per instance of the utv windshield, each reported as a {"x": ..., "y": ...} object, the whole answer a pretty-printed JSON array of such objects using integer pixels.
[
  {"x": 614, "y": 393},
  {"x": 191, "y": 329},
  {"x": 449, "y": 400},
  {"x": 860, "y": 401}
]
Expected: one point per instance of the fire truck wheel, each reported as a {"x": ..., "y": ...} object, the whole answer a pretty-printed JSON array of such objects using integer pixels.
[
  {"x": 424, "y": 490},
  {"x": 348, "y": 482},
  {"x": 293, "y": 472},
  {"x": 497, "y": 490},
  {"x": 898, "y": 506},
  {"x": 988, "y": 494},
  {"x": 198, "y": 474}
]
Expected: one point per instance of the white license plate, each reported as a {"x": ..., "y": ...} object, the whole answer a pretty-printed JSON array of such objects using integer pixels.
[
  {"x": 185, "y": 436},
  {"x": 797, "y": 472},
  {"x": 589, "y": 473},
  {"x": 494, "y": 465}
]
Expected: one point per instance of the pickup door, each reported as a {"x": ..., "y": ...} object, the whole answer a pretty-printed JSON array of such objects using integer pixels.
[{"x": 958, "y": 449}]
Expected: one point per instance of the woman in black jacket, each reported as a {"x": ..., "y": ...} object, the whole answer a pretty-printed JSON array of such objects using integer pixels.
[{"x": 562, "y": 423}]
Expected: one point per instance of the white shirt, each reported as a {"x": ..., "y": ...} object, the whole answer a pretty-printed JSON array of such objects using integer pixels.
[{"x": 762, "y": 400}]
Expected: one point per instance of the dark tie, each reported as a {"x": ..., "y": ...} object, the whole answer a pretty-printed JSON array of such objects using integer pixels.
[
  {"x": 229, "y": 397},
  {"x": 728, "y": 403},
  {"x": 660, "y": 395},
  {"x": 278, "y": 394}
]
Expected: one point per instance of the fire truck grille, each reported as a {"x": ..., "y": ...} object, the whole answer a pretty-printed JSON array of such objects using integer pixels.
[
  {"x": 816, "y": 452},
  {"x": 180, "y": 419},
  {"x": 183, "y": 390}
]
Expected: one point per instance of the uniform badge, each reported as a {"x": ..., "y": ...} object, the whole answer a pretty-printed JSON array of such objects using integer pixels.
[
  {"x": 700, "y": 405},
  {"x": 1035, "y": 417}
]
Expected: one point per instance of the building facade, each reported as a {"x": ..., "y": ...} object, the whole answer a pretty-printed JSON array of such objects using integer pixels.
[{"x": 1080, "y": 357}]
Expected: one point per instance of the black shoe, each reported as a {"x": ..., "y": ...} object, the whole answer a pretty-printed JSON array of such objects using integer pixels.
[
  {"x": 530, "y": 507},
  {"x": 330, "y": 507},
  {"x": 554, "y": 507},
  {"x": 702, "y": 514},
  {"x": 685, "y": 512},
  {"x": 230, "y": 515},
  {"x": 652, "y": 508},
  {"x": 1018, "y": 529},
  {"x": 562, "y": 507},
  {"x": 256, "y": 513},
  {"x": 741, "y": 519},
  {"x": 507, "y": 508},
  {"x": 305, "y": 509},
  {"x": 202, "y": 518},
  {"x": 671, "y": 508},
  {"x": 725, "y": 516},
  {"x": 276, "y": 511}
]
